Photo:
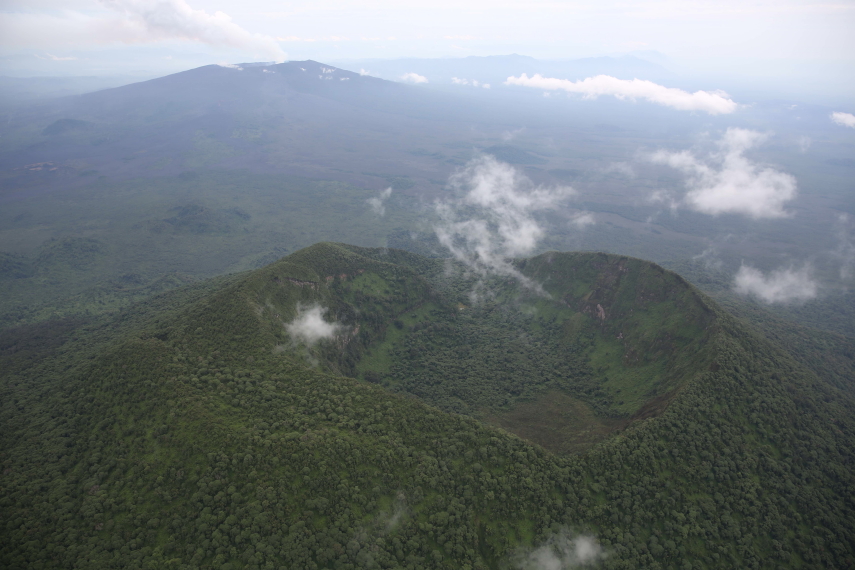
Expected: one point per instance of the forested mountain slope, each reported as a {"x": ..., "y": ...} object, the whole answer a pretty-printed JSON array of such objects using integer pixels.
[{"x": 194, "y": 431}]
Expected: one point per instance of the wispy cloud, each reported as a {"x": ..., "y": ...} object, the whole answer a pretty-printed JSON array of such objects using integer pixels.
[
  {"x": 377, "y": 203},
  {"x": 413, "y": 77},
  {"x": 712, "y": 102},
  {"x": 844, "y": 119},
  {"x": 52, "y": 57},
  {"x": 562, "y": 551},
  {"x": 709, "y": 258},
  {"x": 583, "y": 220},
  {"x": 387, "y": 521},
  {"x": 147, "y": 20},
  {"x": 309, "y": 326},
  {"x": 623, "y": 168},
  {"x": 779, "y": 286},
  {"x": 312, "y": 40},
  {"x": 508, "y": 136},
  {"x": 492, "y": 218},
  {"x": 730, "y": 183},
  {"x": 472, "y": 82}
]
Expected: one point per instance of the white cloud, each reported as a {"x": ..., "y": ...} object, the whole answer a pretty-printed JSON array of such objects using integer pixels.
[
  {"x": 414, "y": 78},
  {"x": 562, "y": 551},
  {"x": 231, "y": 66},
  {"x": 730, "y": 183},
  {"x": 147, "y": 20},
  {"x": 844, "y": 119},
  {"x": 52, "y": 57},
  {"x": 472, "y": 82},
  {"x": 493, "y": 217},
  {"x": 623, "y": 168},
  {"x": 780, "y": 286},
  {"x": 508, "y": 136},
  {"x": 309, "y": 326},
  {"x": 663, "y": 197},
  {"x": 377, "y": 202},
  {"x": 714, "y": 103},
  {"x": 312, "y": 40},
  {"x": 709, "y": 257},
  {"x": 583, "y": 220}
]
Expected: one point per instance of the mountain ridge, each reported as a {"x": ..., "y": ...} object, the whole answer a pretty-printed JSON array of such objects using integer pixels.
[{"x": 193, "y": 441}]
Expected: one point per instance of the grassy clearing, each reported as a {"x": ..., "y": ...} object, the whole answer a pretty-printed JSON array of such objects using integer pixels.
[{"x": 558, "y": 422}]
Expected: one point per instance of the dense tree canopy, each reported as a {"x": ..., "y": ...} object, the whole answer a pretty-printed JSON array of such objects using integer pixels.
[{"x": 192, "y": 432}]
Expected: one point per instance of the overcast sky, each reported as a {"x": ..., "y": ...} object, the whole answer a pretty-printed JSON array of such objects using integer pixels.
[{"x": 154, "y": 37}]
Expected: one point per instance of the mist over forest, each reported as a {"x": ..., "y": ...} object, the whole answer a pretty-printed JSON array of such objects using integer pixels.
[
  {"x": 482, "y": 312},
  {"x": 183, "y": 172}
]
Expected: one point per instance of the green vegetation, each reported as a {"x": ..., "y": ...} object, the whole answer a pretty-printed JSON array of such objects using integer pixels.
[
  {"x": 190, "y": 431},
  {"x": 514, "y": 345},
  {"x": 118, "y": 242}
]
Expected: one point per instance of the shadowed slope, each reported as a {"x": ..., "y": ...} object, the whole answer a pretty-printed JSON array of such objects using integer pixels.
[{"x": 615, "y": 338}]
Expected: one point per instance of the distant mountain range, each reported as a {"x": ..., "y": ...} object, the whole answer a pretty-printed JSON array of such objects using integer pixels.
[
  {"x": 16, "y": 92},
  {"x": 245, "y": 105},
  {"x": 248, "y": 108},
  {"x": 191, "y": 157}
]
